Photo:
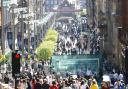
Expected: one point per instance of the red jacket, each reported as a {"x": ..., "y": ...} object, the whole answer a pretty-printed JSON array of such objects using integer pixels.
[
  {"x": 33, "y": 85},
  {"x": 53, "y": 87}
]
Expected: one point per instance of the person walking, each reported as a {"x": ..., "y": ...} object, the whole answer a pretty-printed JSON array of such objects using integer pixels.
[
  {"x": 94, "y": 85},
  {"x": 83, "y": 85},
  {"x": 23, "y": 84},
  {"x": 33, "y": 83},
  {"x": 67, "y": 86},
  {"x": 75, "y": 85},
  {"x": 45, "y": 85},
  {"x": 122, "y": 84},
  {"x": 53, "y": 86},
  {"x": 38, "y": 85},
  {"x": 105, "y": 85},
  {"x": 116, "y": 84},
  {"x": 6, "y": 79},
  {"x": 28, "y": 84}
]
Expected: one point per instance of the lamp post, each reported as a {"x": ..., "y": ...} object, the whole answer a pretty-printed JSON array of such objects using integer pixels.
[
  {"x": 22, "y": 30},
  {"x": 81, "y": 27},
  {"x": 12, "y": 24},
  {"x": 35, "y": 11},
  {"x": 28, "y": 36},
  {"x": 28, "y": 26},
  {"x": 93, "y": 13}
]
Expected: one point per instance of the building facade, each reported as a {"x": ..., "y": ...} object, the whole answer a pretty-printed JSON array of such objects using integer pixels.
[
  {"x": 0, "y": 28},
  {"x": 5, "y": 24},
  {"x": 123, "y": 36},
  {"x": 50, "y": 4},
  {"x": 111, "y": 18}
]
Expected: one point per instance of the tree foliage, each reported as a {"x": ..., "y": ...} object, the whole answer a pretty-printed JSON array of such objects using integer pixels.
[
  {"x": 3, "y": 58},
  {"x": 46, "y": 49}
]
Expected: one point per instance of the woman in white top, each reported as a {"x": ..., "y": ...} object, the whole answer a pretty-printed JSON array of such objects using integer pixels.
[
  {"x": 67, "y": 86},
  {"x": 83, "y": 85}
]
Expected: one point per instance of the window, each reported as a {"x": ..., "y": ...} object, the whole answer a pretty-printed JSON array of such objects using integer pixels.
[{"x": 52, "y": 2}]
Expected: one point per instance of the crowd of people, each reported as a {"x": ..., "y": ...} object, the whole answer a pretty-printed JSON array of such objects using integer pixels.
[
  {"x": 116, "y": 79},
  {"x": 95, "y": 42},
  {"x": 73, "y": 40},
  {"x": 70, "y": 39},
  {"x": 39, "y": 82}
]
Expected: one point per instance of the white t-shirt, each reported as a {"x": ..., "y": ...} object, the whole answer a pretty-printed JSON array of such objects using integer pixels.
[
  {"x": 89, "y": 72},
  {"x": 121, "y": 76},
  {"x": 116, "y": 85},
  {"x": 67, "y": 88},
  {"x": 115, "y": 76},
  {"x": 83, "y": 86}
]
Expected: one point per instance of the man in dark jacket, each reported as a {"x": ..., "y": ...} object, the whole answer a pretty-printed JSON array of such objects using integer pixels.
[
  {"x": 6, "y": 79},
  {"x": 38, "y": 85},
  {"x": 28, "y": 84},
  {"x": 45, "y": 85}
]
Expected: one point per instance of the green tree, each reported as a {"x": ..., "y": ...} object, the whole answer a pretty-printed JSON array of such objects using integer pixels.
[{"x": 46, "y": 49}]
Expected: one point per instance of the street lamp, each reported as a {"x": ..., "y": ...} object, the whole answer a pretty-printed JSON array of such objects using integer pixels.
[
  {"x": 29, "y": 34},
  {"x": 29, "y": 16}
]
